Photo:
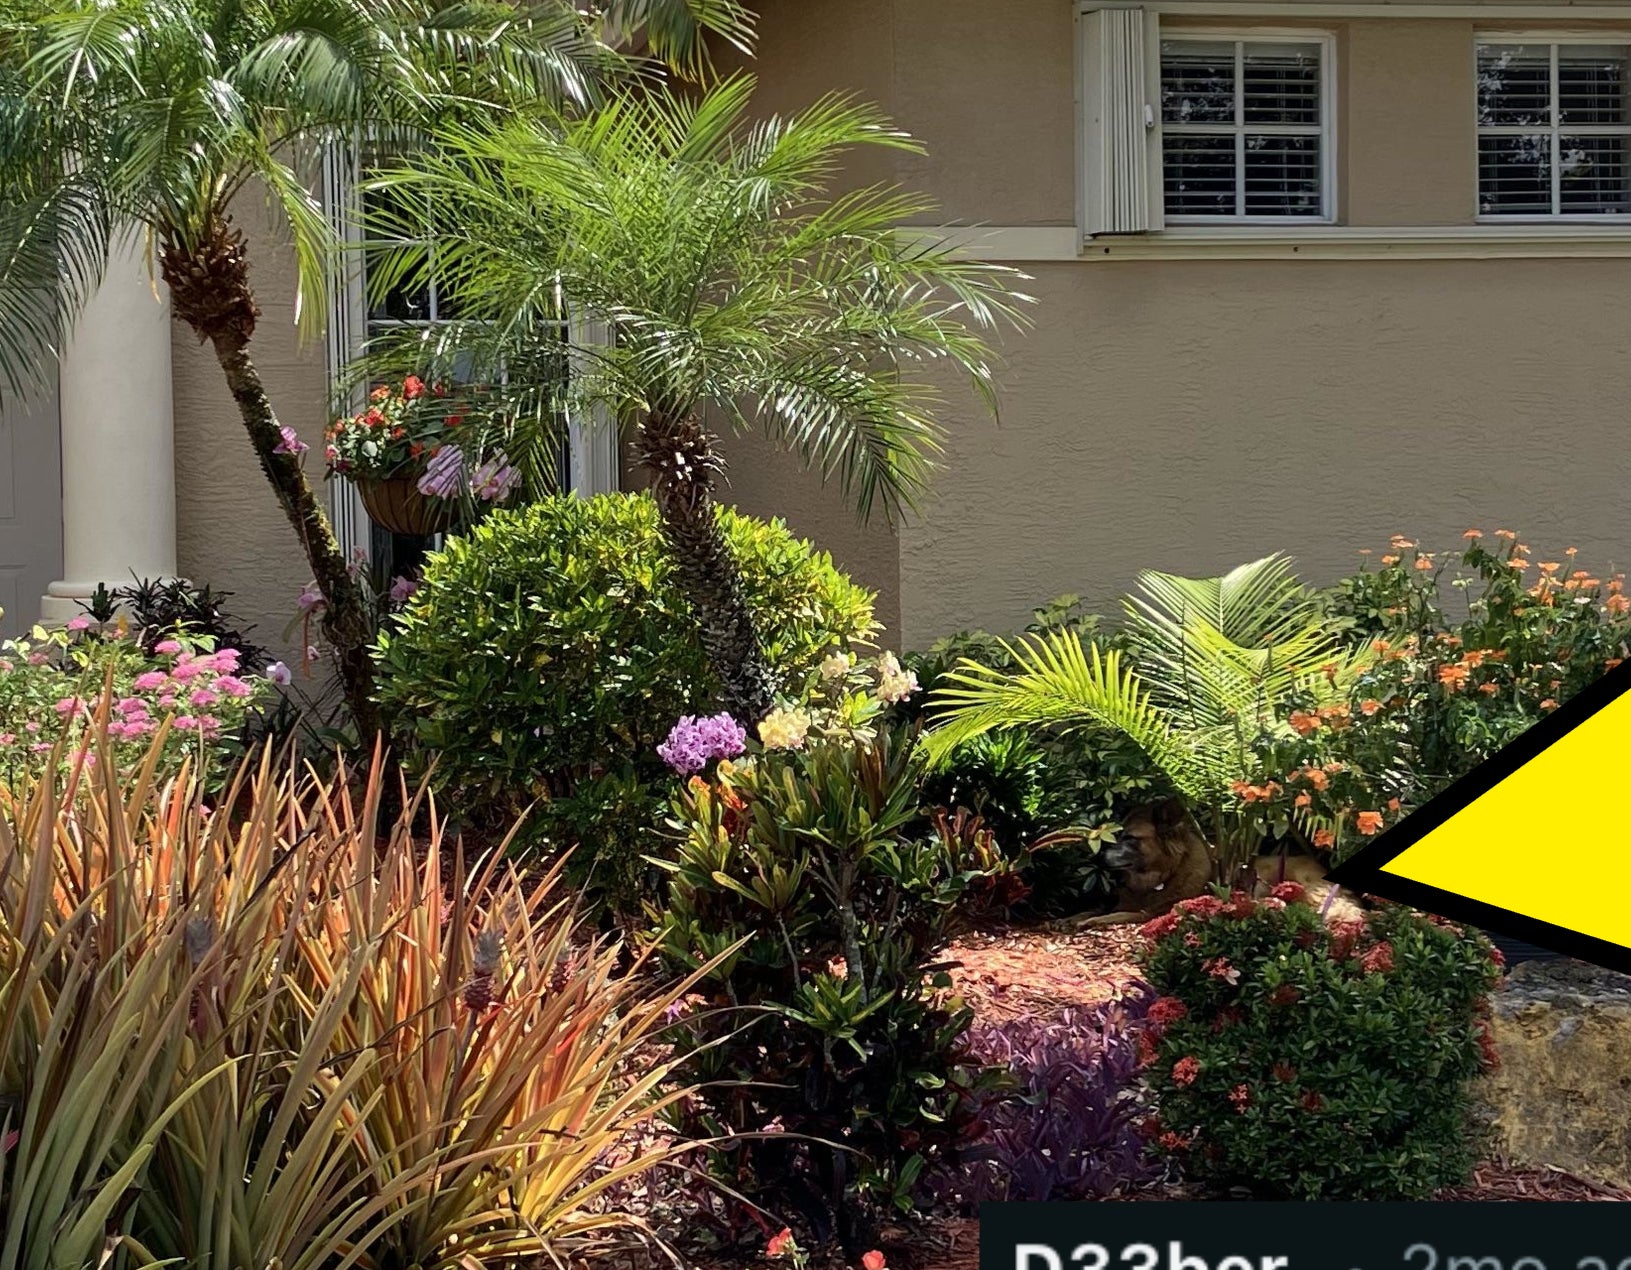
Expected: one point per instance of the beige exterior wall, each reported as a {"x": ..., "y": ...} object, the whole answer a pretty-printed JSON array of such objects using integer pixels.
[{"x": 1189, "y": 415}]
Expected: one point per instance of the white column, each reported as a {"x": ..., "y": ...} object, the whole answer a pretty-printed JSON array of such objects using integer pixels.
[{"x": 118, "y": 437}]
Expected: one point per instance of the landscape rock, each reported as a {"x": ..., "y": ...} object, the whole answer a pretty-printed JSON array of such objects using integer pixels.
[{"x": 1562, "y": 1094}]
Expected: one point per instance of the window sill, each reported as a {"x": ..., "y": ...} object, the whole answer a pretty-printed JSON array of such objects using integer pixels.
[{"x": 1039, "y": 243}]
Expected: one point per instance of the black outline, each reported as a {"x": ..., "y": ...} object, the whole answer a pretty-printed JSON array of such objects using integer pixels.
[{"x": 1363, "y": 871}]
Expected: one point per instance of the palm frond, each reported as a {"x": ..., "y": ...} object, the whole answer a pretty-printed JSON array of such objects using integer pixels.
[{"x": 1058, "y": 681}]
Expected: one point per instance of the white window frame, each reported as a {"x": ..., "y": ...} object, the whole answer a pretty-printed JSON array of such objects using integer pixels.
[
  {"x": 1240, "y": 35},
  {"x": 1555, "y": 40},
  {"x": 593, "y": 461}
]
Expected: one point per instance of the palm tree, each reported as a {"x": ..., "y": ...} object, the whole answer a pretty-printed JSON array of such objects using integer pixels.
[
  {"x": 737, "y": 291},
  {"x": 1214, "y": 662},
  {"x": 158, "y": 114}
]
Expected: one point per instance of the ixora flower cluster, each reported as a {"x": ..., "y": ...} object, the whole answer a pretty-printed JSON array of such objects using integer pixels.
[
  {"x": 1287, "y": 1053},
  {"x": 420, "y": 431},
  {"x": 846, "y": 695},
  {"x": 54, "y": 684}
]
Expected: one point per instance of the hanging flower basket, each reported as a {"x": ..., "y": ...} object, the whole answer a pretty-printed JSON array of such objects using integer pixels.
[{"x": 396, "y": 504}]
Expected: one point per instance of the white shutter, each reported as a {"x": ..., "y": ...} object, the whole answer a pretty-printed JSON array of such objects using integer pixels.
[
  {"x": 1121, "y": 170},
  {"x": 346, "y": 330}
]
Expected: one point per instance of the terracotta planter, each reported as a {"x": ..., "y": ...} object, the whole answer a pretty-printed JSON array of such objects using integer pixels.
[{"x": 397, "y": 505}]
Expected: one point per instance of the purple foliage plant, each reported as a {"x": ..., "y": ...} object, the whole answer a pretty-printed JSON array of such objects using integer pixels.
[{"x": 1068, "y": 1126}]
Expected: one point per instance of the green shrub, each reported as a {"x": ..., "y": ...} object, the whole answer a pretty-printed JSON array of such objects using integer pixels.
[
  {"x": 546, "y": 654},
  {"x": 1309, "y": 1061},
  {"x": 825, "y": 1023}
]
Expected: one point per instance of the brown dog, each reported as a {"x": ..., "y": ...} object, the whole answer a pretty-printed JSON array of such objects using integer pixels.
[
  {"x": 1310, "y": 875},
  {"x": 1162, "y": 859}
]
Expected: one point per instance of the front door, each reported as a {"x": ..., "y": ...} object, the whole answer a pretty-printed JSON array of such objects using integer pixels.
[{"x": 30, "y": 509}]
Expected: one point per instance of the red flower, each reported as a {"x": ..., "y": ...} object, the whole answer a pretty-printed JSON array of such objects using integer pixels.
[
  {"x": 1497, "y": 956},
  {"x": 1285, "y": 994},
  {"x": 1284, "y": 1072},
  {"x": 1185, "y": 1070},
  {"x": 1165, "y": 1010},
  {"x": 1172, "y": 1141},
  {"x": 1379, "y": 960},
  {"x": 872, "y": 1260},
  {"x": 373, "y": 418},
  {"x": 779, "y": 1242},
  {"x": 1240, "y": 905},
  {"x": 1241, "y": 1097},
  {"x": 454, "y": 421},
  {"x": 1160, "y": 927},
  {"x": 1147, "y": 1052},
  {"x": 413, "y": 387},
  {"x": 1219, "y": 968},
  {"x": 1151, "y": 1127},
  {"x": 1290, "y": 892},
  {"x": 1312, "y": 1101},
  {"x": 1201, "y": 905}
]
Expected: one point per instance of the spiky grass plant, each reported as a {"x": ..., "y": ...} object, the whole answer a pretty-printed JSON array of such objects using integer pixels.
[{"x": 277, "y": 1036}]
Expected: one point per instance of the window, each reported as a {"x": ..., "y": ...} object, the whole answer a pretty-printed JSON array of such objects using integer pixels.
[
  {"x": 1245, "y": 128},
  {"x": 1554, "y": 132}
]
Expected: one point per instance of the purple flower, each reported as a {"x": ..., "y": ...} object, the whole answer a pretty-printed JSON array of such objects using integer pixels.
[
  {"x": 311, "y": 597},
  {"x": 693, "y": 742},
  {"x": 495, "y": 479},
  {"x": 279, "y": 674},
  {"x": 443, "y": 474},
  {"x": 290, "y": 442},
  {"x": 402, "y": 588}
]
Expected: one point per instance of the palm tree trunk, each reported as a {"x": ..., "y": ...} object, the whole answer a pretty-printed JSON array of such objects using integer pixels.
[
  {"x": 208, "y": 276},
  {"x": 345, "y": 617},
  {"x": 681, "y": 458}
]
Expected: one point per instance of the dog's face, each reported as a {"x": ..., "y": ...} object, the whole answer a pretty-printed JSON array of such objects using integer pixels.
[{"x": 1152, "y": 839}]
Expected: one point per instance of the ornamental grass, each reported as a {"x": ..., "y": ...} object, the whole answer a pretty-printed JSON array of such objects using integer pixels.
[{"x": 278, "y": 1036}]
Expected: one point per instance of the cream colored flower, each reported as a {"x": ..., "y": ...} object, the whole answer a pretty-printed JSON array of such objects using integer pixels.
[
  {"x": 784, "y": 729},
  {"x": 894, "y": 683},
  {"x": 836, "y": 665}
]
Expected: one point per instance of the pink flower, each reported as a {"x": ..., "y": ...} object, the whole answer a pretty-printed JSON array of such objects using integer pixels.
[
  {"x": 38, "y": 659},
  {"x": 167, "y": 647},
  {"x": 1378, "y": 960},
  {"x": 232, "y": 686},
  {"x": 79, "y": 623},
  {"x": 1241, "y": 1097},
  {"x": 402, "y": 588},
  {"x": 204, "y": 697},
  {"x": 185, "y": 670},
  {"x": 8, "y": 738},
  {"x": 311, "y": 597},
  {"x": 67, "y": 706},
  {"x": 289, "y": 442},
  {"x": 1219, "y": 968},
  {"x": 133, "y": 706},
  {"x": 186, "y": 723},
  {"x": 224, "y": 660},
  {"x": 167, "y": 701},
  {"x": 148, "y": 680}
]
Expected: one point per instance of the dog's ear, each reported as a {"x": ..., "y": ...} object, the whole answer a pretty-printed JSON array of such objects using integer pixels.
[{"x": 1170, "y": 816}]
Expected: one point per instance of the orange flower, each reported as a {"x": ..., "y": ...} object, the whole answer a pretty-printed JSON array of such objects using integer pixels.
[
  {"x": 1302, "y": 722},
  {"x": 1519, "y": 565},
  {"x": 1452, "y": 677},
  {"x": 1390, "y": 560},
  {"x": 1489, "y": 690},
  {"x": 1505, "y": 533},
  {"x": 1323, "y": 838},
  {"x": 1369, "y": 822},
  {"x": 1571, "y": 552},
  {"x": 1315, "y": 777},
  {"x": 1612, "y": 662},
  {"x": 1424, "y": 563},
  {"x": 1400, "y": 543},
  {"x": 872, "y": 1260},
  {"x": 1617, "y": 603},
  {"x": 1393, "y": 804},
  {"x": 1550, "y": 566},
  {"x": 1369, "y": 706},
  {"x": 1548, "y": 704},
  {"x": 1473, "y": 533},
  {"x": 779, "y": 1242},
  {"x": 1303, "y": 800}
]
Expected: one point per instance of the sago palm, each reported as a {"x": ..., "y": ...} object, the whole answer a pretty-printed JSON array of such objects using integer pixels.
[
  {"x": 737, "y": 290},
  {"x": 157, "y": 114},
  {"x": 1215, "y": 661}
]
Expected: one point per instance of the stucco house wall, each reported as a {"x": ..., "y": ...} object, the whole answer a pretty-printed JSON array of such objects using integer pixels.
[{"x": 1190, "y": 414}]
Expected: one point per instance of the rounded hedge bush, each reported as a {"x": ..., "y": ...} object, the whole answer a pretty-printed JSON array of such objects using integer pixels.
[{"x": 548, "y": 652}]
